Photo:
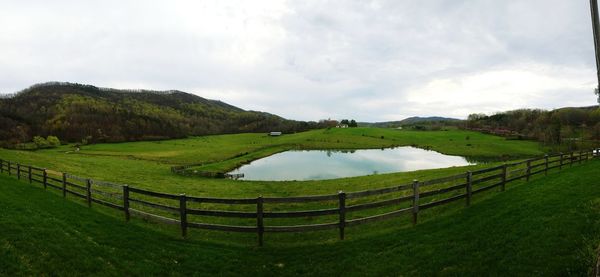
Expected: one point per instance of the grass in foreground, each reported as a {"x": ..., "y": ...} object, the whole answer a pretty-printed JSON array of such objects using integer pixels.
[{"x": 550, "y": 226}]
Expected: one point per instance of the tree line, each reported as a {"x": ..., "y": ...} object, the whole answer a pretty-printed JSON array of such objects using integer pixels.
[
  {"x": 561, "y": 128},
  {"x": 84, "y": 113},
  {"x": 350, "y": 123}
]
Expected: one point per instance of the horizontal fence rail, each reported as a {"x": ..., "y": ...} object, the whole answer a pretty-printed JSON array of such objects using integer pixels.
[{"x": 346, "y": 209}]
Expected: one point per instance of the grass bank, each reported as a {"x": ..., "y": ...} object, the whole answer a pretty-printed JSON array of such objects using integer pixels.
[{"x": 550, "y": 226}]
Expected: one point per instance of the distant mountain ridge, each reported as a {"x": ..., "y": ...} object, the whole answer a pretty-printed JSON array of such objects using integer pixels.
[
  {"x": 76, "y": 112},
  {"x": 409, "y": 121}
]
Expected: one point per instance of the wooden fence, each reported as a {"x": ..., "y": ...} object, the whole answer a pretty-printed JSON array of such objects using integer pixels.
[{"x": 348, "y": 208}]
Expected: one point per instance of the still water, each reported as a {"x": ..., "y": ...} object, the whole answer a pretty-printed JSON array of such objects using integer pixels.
[{"x": 328, "y": 164}]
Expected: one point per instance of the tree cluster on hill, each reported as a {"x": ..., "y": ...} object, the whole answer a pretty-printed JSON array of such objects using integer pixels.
[
  {"x": 350, "y": 123},
  {"x": 328, "y": 123},
  {"x": 76, "y": 112},
  {"x": 561, "y": 127}
]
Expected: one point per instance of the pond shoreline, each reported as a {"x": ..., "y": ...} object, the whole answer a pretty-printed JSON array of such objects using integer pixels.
[{"x": 343, "y": 163}]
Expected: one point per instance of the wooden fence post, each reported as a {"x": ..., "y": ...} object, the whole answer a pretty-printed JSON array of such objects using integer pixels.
[
  {"x": 126, "y": 202},
  {"x": 342, "y": 211},
  {"x": 580, "y": 156},
  {"x": 571, "y": 162},
  {"x": 45, "y": 179},
  {"x": 561, "y": 160},
  {"x": 64, "y": 183},
  {"x": 587, "y": 155},
  {"x": 415, "y": 209},
  {"x": 546, "y": 169},
  {"x": 260, "y": 227},
  {"x": 1, "y": 166},
  {"x": 18, "y": 171},
  {"x": 528, "y": 170},
  {"x": 504, "y": 177},
  {"x": 88, "y": 195},
  {"x": 9, "y": 169},
  {"x": 183, "y": 214},
  {"x": 29, "y": 173},
  {"x": 469, "y": 187}
]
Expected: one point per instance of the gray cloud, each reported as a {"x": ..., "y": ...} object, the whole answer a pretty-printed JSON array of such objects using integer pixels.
[{"x": 369, "y": 60}]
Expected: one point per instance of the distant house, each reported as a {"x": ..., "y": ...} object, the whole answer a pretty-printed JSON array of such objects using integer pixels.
[{"x": 275, "y": 134}]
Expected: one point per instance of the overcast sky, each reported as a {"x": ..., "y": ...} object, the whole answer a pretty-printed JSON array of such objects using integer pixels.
[{"x": 308, "y": 60}]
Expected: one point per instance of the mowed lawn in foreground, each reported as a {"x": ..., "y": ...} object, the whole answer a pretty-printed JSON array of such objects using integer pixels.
[{"x": 549, "y": 226}]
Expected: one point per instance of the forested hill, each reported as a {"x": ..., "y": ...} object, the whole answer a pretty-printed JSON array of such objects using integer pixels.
[
  {"x": 411, "y": 121},
  {"x": 555, "y": 127},
  {"x": 76, "y": 112}
]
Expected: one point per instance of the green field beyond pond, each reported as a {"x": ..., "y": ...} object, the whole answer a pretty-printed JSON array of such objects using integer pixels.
[
  {"x": 547, "y": 227},
  {"x": 147, "y": 164}
]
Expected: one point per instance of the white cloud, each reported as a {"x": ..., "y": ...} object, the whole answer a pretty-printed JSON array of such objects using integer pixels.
[
  {"x": 512, "y": 88},
  {"x": 369, "y": 60}
]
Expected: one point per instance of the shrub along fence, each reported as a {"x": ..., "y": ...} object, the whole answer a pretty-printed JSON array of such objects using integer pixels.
[
  {"x": 186, "y": 170},
  {"x": 346, "y": 209}
]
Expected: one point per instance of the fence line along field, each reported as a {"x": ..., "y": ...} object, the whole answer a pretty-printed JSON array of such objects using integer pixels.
[{"x": 346, "y": 209}]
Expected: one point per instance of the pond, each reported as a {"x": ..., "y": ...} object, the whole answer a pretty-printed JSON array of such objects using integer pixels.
[{"x": 329, "y": 164}]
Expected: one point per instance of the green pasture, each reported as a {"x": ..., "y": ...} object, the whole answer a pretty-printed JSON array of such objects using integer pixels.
[
  {"x": 548, "y": 227},
  {"x": 147, "y": 164}
]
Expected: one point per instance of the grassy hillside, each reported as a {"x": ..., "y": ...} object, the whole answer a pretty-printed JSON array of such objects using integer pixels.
[
  {"x": 76, "y": 112},
  {"x": 550, "y": 227}
]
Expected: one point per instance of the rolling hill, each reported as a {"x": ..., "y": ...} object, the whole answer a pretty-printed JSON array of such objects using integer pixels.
[
  {"x": 76, "y": 112},
  {"x": 409, "y": 121}
]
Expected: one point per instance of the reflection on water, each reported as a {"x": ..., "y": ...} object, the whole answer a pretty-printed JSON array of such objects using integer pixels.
[{"x": 330, "y": 164}]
